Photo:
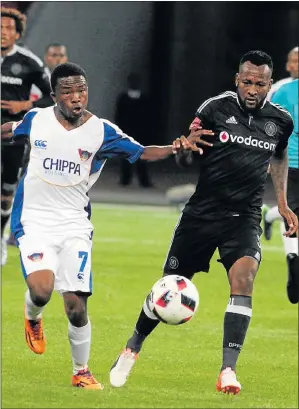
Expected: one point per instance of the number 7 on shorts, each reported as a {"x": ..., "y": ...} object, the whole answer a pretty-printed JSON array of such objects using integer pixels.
[{"x": 83, "y": 255}]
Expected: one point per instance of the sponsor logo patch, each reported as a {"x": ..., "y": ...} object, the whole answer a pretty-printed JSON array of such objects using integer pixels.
[
  {"x": 173, "y": 262},
  {"x": 36, "y": 256},
  {"x": 248, "y": 140},
  {"x": 40, "y": 144},
  {"x": 270, "y": 128},
  {"x": 84, "y": 155}
]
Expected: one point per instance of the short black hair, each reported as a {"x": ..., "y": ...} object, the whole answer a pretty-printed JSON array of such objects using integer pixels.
[
  {"x": 69, "y": 69},
  {"x": 258, "y": 58},
  {"x": 19, "y": 18},
  {"x": 54, "y": 45}
]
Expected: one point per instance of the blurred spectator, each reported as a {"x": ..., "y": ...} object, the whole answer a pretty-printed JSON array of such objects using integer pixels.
[
  {"x": 292, "y": 67},
  {"x": 55, "y": 54},
  {"x": 19, "y": 70},
  {"x": 134, "y": 118}
]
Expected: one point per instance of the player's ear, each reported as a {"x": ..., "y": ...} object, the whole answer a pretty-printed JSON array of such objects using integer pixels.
[
  {"x": 270, "y": 84},
  {"x": 53, "y": 96},
  {"x": 237, "y": 79}
]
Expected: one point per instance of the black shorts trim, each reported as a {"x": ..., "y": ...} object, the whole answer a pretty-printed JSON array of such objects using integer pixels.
[{"x": 229, "y": 260}]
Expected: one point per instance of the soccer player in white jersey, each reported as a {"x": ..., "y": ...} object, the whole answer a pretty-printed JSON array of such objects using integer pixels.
[{"x": 51, "y": 211}]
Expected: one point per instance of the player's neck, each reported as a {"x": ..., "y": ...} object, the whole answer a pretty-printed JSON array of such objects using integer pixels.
[
  {"x": 67, "y": 123},
  {"x": 6, "y": 51}
]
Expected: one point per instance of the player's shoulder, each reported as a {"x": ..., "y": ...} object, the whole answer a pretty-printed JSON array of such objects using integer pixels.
[
  {"x": 279, "y": 115},
  {"x": 44, "y": 114},
  {"x": 109, "y": 126},
  {"x": 278, "y": 111},
  {"x": 281, "y": 83},
  {"x": 214, "y": 102},
  {"x": 29, "y": 56},
  {"x": 289, "y": 86}
]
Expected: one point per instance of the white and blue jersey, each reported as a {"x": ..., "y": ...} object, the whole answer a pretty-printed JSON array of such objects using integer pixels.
[
  {"x": 52, "y": 195},
  {"x": 287, "y": 97}
]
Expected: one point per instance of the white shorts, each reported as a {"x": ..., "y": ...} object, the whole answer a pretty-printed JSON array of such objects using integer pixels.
[{"x": 69, "y": 257}]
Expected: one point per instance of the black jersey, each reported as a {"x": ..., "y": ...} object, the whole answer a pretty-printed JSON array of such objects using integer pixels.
[
  {"x": 233, "y": 172},
  {"x": 19, "y": 70}
]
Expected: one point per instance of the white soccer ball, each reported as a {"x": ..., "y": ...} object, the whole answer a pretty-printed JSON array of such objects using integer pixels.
[{"x": 174, "y": 299}]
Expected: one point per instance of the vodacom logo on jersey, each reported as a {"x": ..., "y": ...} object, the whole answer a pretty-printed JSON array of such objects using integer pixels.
[{"x": 249, "y": 141}]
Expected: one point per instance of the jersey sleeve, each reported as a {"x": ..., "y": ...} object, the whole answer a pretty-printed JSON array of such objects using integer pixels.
[
  {"x": 287, "y": 131},
  {"x": 117, "y": 143},
  {"x": 204, "y": 116},
  {"x": 22, "y": 128}
]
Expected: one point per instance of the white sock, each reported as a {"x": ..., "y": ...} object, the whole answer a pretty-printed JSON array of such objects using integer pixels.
[
  {"x": 32, "y": 311},
  {"x": 80, "y": 340},
  {"x": 272, "y": 214},
  {"x": 290, "y": 243}
]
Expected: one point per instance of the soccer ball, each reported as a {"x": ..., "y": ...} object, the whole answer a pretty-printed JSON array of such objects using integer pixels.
[{"x": 173, "y": 299}]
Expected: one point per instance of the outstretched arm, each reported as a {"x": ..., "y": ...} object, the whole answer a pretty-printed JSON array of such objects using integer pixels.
[
  {"x": 182, "y": 147},
  {"x": 153, "y": 153}
]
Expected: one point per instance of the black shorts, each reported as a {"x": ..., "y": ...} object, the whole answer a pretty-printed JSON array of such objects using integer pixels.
[
  {"x": 195, "y": 241},
  {"x": 293, "y": 190},
  {"x": 11, "y": 164}
]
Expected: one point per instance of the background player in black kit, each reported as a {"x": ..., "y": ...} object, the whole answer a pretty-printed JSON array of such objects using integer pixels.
[
  {"x": 225, "y": 210},
  {"x": 20, "y": 68}
]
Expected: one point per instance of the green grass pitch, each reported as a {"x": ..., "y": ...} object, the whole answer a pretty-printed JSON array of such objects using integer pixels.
[{"x": 178, "y": 365}]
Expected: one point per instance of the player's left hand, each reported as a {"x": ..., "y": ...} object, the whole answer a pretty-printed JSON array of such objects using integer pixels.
[
  {"x": 14, "y": 107},
  {"x": 291, "y": 219}
]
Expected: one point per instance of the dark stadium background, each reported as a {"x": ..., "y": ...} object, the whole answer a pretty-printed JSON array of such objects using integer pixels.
[{"x": 185, "y": 52}]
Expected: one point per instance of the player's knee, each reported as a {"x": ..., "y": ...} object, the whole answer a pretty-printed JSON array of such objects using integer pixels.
[
  {"x": 242, "y": 282},
  {"x": 77, "y": 317},
  {"x": 76, "y": 312},
  {"x": 40, "y": 284},
  {"x": 41, "y": 296}
]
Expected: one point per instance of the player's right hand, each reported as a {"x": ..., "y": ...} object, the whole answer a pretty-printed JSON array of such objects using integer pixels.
[{"x": 291, "y": 220}]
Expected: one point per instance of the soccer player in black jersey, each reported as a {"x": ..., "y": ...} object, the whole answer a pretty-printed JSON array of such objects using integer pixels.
[
  {"x": 248, "y": 133},
  {"x": 20, "y": 68}
]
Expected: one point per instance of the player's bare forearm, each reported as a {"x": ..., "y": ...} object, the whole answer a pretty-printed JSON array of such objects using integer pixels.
[
  {"x": 153, "y": 153},
  {"x": 279, "y": 174},
  {"x": 6, "y": 130}
]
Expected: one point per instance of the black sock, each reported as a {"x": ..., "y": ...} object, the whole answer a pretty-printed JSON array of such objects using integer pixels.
[
  {"x": 145, "y": 324},
  {"x": 236, "y": 322},
  {"x": 4, "y": 220}
]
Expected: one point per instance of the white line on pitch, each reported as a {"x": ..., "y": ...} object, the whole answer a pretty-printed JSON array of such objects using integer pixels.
[{"x": 96, "y": 239}]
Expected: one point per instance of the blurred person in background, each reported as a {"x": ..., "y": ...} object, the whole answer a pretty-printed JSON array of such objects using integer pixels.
[
  {"x": 55, "y": 54},
  {"x": 133, "y": 116},
  {"x": 19, "y": 70},
  {"x": 287, "y": 97},
  {"x": 292, "y": 67}
]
